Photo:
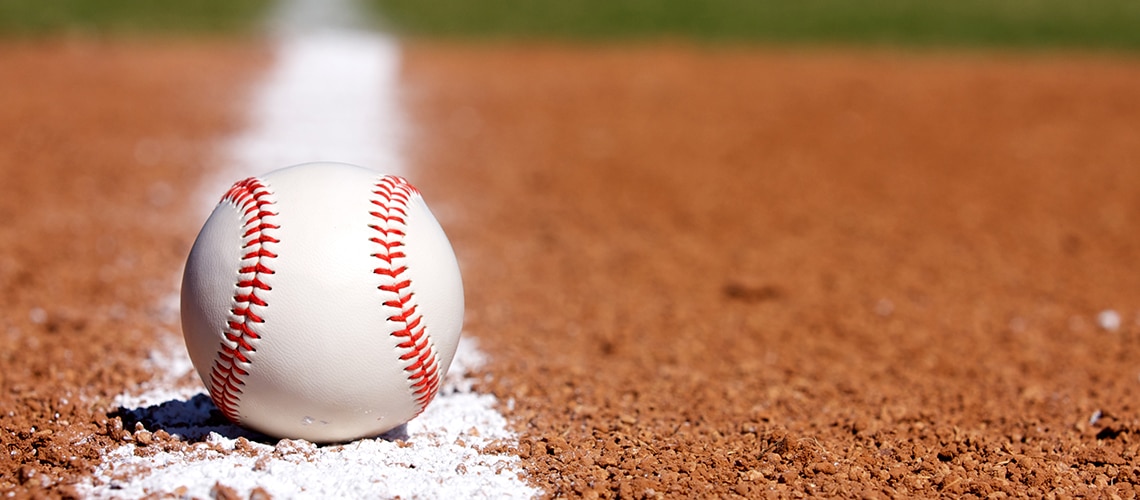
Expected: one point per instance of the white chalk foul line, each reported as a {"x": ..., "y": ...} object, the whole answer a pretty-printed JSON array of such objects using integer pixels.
[
  {"x": 437, "y": 455},
  {"x": 330, "y": 97}
]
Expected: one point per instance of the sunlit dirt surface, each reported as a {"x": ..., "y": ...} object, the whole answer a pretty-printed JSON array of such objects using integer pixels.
[
  {"x": 719, "y": 271},
  {"x": 102, "y": 145},
  {"x": 698, "y": 271}
]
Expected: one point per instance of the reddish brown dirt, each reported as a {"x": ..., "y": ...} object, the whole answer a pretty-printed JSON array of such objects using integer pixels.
[
  {"x": 700, "y": 272},
  {"x": 97, "y": 143},
  {"x": 718, "y": 272}
]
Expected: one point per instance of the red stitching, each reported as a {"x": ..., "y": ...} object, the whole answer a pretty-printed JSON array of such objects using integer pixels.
[
  {"x": 251, "y": 197},
  {"x": 392, "y": 196}
]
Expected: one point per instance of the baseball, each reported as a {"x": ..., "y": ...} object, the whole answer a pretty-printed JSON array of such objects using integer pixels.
[{"x": 322, "y": 302}]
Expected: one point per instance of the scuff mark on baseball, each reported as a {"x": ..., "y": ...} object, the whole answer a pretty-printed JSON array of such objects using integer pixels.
[{"x": 322, "y": 302}]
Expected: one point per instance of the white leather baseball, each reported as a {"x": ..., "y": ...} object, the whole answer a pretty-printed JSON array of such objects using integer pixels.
[{"x": 322, "y": 302}]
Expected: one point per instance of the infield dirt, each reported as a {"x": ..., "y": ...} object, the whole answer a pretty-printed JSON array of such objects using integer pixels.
[
  {"x": 101, "y": 147},
  {"x": 699, "y": 272},
  {"x": 717, "y": 272}
]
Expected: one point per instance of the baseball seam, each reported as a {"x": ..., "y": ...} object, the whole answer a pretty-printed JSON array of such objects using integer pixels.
[
  {"x": 392, "y": 194},
  {"x": 254, "y": 200}
]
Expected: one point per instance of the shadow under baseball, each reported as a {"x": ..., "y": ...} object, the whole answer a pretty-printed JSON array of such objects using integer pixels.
[{"x": 193, "y": 421}]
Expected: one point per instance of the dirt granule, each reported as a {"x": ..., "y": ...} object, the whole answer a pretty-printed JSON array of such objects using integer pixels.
[{"x": 720, "y": 272}]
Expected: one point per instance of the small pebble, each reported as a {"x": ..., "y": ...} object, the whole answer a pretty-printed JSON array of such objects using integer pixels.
[{"x": 1108, "y": 320}]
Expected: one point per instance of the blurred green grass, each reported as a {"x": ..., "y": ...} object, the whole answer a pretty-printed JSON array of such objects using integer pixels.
[
  {"x": 125, "y": 17},
  {"x": 1110, "y": 24},
  {"x": 1097, "y": 24}
]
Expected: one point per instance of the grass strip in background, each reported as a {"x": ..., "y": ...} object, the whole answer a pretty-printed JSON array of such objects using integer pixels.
[
  {"x": 1095, "y": 24},
  {"x": 20, "y": 18},
  {"x": 1108, "y": 24}
]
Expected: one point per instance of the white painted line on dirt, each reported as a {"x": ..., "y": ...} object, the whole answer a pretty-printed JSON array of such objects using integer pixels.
[
  {"x": 331, "y": 96},
  {"x": 437, "y": 455}
]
